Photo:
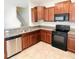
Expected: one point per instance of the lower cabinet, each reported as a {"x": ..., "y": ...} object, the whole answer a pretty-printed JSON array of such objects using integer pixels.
[
  {"x": 24, "y": 41},
  {"x": 71, "y": 43},
  {"x": 46, "y": 36},
  {"x": 29, "y": 39},
  {"x": 5, "y": 51}
]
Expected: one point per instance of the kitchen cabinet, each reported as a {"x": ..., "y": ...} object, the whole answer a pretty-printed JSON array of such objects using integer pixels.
[
  {"x": 66, "y": 7},
  {"x": 25, "y": 41},
  {"x": 46, "y": 14},
  {"x": 29, "y": 39},
  {"x": 5, "y": 51},
  {"x": 72, "y": 12},
  {"x": 71, "y": 43},
  {"x": 51, "y": 14},
  {"x": 34, "y": 14},
  {"x": 62, "y": 7},
  {"x": 40, "y": 12},
  {"x": 35, "y": 36},
  {"x": 46, "y": 36}
]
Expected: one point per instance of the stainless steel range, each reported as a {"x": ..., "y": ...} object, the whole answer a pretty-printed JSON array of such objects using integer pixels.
[{"x": 59, "y": 38}]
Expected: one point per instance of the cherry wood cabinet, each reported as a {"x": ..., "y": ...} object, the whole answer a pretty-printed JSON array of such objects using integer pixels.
[
  {"x": 34, "y": 14},
  {"x": 62, "y": 7},
  {"x": 35, "y": 36},
  {"x": 51, "y": 14},
  {"x": 72, "y": 12},
  {"x": 29, "y": 39},
  {"x": 46, "y": 36},
  {"x": 5, "y": 51},
  {"x": 46, "y": 14},
  {"x": 24, "y": 41},
  {"x": 66, "y": 7},
  {"x": 40, "y": 12},
  {"x": 71, "y": 43}
]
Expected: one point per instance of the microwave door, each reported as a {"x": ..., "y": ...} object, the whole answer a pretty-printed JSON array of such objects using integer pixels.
[{"x": 59, "y": 18}]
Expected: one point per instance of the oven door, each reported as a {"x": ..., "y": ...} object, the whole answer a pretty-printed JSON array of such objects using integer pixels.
[{"x": 59, "y": 40}]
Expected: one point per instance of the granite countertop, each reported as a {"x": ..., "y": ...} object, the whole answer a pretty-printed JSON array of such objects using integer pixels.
[
  {"x": 22, "y": 30},
  {"x": 72, "y": 31}
]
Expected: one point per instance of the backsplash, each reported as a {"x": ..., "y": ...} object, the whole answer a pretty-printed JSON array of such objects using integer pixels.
[{"x": 53, "y": 24}]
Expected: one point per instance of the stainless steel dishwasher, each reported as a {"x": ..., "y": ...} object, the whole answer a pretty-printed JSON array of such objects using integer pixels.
[{"x": 14, "y": 45}]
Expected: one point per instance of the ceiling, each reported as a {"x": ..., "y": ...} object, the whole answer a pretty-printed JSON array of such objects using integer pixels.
[
  {"x": 44, "y": 2},
  {"x": 32, "y": 2}
]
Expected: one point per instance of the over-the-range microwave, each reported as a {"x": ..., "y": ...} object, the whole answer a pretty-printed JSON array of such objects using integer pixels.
[{"x": 61, "y": 17}]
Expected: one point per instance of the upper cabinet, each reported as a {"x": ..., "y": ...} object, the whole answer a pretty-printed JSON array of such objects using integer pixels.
[
  {"x": 47, "y": 14},
  {"x": 62, "y": 7},
  {"x": 38, "y": 13},
  {"x": 72, "y": 12},
  {"x": 34, "y": 14},
  {"x": 51, "y": 14},
  {"x": 66, "y": 7}
]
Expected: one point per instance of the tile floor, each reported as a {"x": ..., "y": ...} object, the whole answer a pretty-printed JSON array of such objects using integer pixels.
[{"x": 43, "y": 50}]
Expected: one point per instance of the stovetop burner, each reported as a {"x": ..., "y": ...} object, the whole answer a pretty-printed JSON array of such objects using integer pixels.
[{"x": 62, "y": 28}]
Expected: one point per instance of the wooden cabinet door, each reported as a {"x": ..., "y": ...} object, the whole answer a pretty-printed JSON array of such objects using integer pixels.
[
  {"x": 71, "y": 44},
  {"x": 30, "y": 39},
  {"x": 38, "y": 35},
  {"x": 46, "y": 36},
  {"x": 46, "y": 14},
  {"x": 24, "y": 41},
  {"x": 51, "y": 14},
  {"x": 40, "y": 12},
  {"x": 72, "y": 12},
  {"x": 34, "y": 14},
  {"x": 34, "y": 38},
  {"x": 62, "y": 7},
  {"x": 58, "y": 8},
  {"x": 5, "y": 52},
  {"x": 49, "y": 37},
  {"x": 42, "y": 35}
]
